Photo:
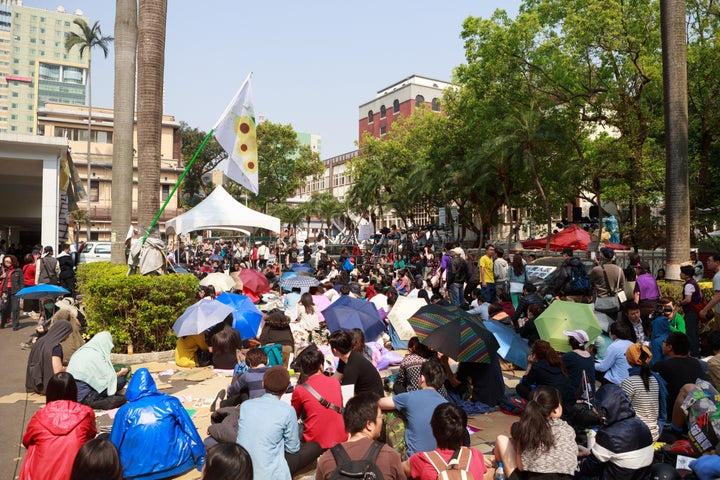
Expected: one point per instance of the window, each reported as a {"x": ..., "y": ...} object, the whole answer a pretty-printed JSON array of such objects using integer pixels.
[
  {"x": 73, "y": 75},
  {"x": 370, "y": 116},
  {"x": 396, "y": 106},
  {"x": 383, "y": 130},
  {"x": 94, "y": 190},
  {"x": 419, "y": 100},
  {"x": 383, "y": 113},
  {"x": 435, "y": 105},
  {"x": 30, "y": 130},
  {"x": 165, "y": 192}
]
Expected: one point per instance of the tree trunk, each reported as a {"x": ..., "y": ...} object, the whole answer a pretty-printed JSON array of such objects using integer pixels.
[
  {"x": 677, "y": 194},
  {"x": 546, "y": 204},
  {"x": 124, "y": 105},
  {"x": 89, "y": 135},
  {"x": 151, "y": 64}
]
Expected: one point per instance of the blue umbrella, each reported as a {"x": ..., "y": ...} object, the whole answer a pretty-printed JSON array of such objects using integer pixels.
[
  {"x": 301, "y": 267},
  {"x": 200, "y": 316},
  {"x": 216, "y": 258},
  {"x": 299, "y": 281},
  {"x": 347, "y": 313},
  {"x": 44, "y": 290},
  {"x": 246, "y": 316},
  {"x": 513, "y": 347},
  {"x": 287, "y": 275}
]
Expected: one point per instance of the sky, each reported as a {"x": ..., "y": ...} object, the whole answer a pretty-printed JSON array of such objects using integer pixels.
[{"x": 314, "y": 63}]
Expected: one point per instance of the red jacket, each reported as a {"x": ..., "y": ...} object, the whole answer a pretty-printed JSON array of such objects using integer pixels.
[{"x": 53, "y": 437}]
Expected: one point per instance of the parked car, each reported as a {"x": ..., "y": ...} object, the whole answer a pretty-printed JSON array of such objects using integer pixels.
[
  {"x": 543, "y": 271},
  {"x": 95, "y": 252}
]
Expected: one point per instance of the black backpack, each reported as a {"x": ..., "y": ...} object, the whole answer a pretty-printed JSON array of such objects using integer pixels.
[
  {"x": 578, "y": 281},
  {"x": 365, "y": 468}
]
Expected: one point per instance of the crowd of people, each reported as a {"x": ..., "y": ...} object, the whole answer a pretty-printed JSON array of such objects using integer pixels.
[{"x": 648, "y": 386}]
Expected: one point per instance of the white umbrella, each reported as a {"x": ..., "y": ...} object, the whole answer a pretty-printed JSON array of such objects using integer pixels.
[
  {"x": 221, "y": 281},
  {"x": 403, "y": 309},
  {"x": 200, "y": 316}
]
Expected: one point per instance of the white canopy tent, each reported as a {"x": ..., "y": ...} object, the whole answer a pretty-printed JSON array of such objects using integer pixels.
[{"x": 220, "y": 211}]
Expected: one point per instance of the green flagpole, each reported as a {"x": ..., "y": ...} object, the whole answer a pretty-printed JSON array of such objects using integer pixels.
[{"x": 177, "y": 184}]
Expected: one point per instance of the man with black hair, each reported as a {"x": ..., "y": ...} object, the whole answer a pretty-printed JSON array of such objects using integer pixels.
[
  {"x": 363, "y": 422},
  {"x": 323, "y": 421},
  {"x": 530, "y": 297},
  {"x": 639, "y": 327},
  {"x": 353, "y": 368},
  {"x": 249, "y": 384},
  {"x": 268, "y": 430},
  {"x": 418, "y": 407},
  {"x": 680, "y": 368}
]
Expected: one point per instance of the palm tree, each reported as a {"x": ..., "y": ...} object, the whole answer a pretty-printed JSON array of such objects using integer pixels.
[
  {"x": 290, "y": 216},
  {"x": 677, "y": 194},
  {"x": 79, "y": 217},
  {"x": 124, "y": 104},
  {"x": 152, "y": 19},
  {"x": 329, "y": 207},
  {"x": 86, "y": 40}
]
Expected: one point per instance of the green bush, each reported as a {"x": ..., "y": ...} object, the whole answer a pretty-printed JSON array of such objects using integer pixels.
[
  {"x": 137, "y": 309},
  {"x": 675, "y": 290}
]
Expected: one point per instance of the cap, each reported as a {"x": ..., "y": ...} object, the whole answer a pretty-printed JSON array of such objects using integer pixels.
[
  {"x": 638, "y": 354},
  {"x": 580, "y": 335},
  {"x": 276, "y": 380},
  {"x": 607, "y": 252},
  {"x": 48, "y": 249}
]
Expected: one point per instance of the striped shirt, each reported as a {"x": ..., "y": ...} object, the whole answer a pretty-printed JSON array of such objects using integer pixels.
[{"x": 645, "y": 403}]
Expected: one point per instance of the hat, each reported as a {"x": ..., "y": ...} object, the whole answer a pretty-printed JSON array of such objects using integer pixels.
[
  {"x": 47, "y": 251},
  {"x": 635, "y": 352},
  {"x": 276, "y": 380},
  {"x": 457, "y": 250},
  {"x": 580, "y": 335},
  {"x": 67, "y": 304},
  {"x": 607, "y": 252}
]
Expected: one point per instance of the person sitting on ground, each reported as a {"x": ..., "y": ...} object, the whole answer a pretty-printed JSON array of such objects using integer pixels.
[
  {"x": 645, "y": 389},
  {"x": 363, "y": 422},
  {"x": 321, "y": 416},
  {"x": 530, "y": 297},
  {"x": 55, "y": 433},
  {"x": 529, "y": 331},
  {"x": 614, "y": 365},
  {"x": 639, "y": 326},
  {"x": 578, "y": 361},
  {"x": 544, "y": 444},
  {"x": 307, "y": 313},
  {"x": 291, "y": 299},
  {"x": 408, "y": 376},
  {"x": 46, "y": 356},
  {"x": 660, "y": 329},
  {"x": 713, "y": 339},
  {"x": 353, "y": 368},
  {"x": 680, "y": 368},
  {"x": 268, "y": 430},
  {"x": 224, "y": 345},
  {"x": 418, "y": 406},
  {"x": 249, "y": 384},
  {"x": 153, "y": 432},
  {"x": 95, "y": 375},
  {"x": 187, "y": 347},
  {"x": 370, "y": 353},
  {"x": 449, "y": 427},
  {"x": 98, "y": 459},
  {"x": 479, "y": 306},
  {"x": 277, "y": 330},
  {"x": 623, "y": 445},
  {"x": 545, "y": 368},
  {"x": 227, "y": 461}
]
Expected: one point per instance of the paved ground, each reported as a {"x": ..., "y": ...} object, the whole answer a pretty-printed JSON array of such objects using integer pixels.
[{"x": 17, "y": 407}]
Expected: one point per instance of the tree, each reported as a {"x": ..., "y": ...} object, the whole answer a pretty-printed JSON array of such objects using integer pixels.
[
  {"x": 194, "y": 187},
  {"x": 151, "y": 65},
  {"x": 86, "y": 40},
  {"x": 328, "y": 207},
  {"x": 677, "y": 194},
  {"x": 124, "y": 123},
  {"x": 283, "y": 166},
  {"x": 290, "y": 216}
]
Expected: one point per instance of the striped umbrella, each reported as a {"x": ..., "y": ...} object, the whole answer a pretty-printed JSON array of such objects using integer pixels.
[
  {"x": 463, "y": 340},
  {"x": 432, "y": 316}
]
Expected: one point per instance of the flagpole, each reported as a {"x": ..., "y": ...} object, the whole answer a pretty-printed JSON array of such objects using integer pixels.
[{"x": 177, "y": 184}]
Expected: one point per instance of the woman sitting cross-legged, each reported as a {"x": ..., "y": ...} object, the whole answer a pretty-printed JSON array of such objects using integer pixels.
[{"x": 543, "y": 445}]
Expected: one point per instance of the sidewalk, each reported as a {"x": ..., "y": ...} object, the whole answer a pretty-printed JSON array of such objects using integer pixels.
[{"x": 18, "y": 407}]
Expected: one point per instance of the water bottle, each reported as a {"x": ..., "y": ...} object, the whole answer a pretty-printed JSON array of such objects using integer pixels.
[{"x": 500, "y": 472}]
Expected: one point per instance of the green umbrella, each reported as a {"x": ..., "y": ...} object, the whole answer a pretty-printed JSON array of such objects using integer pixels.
[{"x": 566, "y": 316}]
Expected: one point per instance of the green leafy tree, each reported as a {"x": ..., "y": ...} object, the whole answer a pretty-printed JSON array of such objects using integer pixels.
[
  {"x": 194, "y": 187},
  {"x": 88, "y": 39},
  {"x": 328, "y": 207}
]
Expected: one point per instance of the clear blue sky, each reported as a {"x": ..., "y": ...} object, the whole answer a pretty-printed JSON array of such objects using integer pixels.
[{"x": 314, "y": 62}]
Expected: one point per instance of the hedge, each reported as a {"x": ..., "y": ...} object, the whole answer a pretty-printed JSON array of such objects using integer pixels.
[
  {"x": 137, "y": 310},
  {"x": 675, "y": 290}
]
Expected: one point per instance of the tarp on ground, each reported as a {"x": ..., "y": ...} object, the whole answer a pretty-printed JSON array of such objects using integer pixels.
[
  {"x": 220, "y": 211},
  {"x": 572, "y": 236}
]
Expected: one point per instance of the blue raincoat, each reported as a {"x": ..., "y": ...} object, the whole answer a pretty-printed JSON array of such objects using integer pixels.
[{"x": 153, "y": 433}]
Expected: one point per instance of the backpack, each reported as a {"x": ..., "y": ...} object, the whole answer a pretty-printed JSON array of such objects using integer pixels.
[
  {"x": 365, "y": 468},
  {"x": 456, "y": 468},
  {"x": 578, "y": 281}
]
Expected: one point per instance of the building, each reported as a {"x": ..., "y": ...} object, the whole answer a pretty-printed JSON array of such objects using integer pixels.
[
  {"x": 399, "y": 99},
  {"x": 34, "y": 66},
  {"x": 312, "y": 140},
  {"x": 69, "y": 122}
]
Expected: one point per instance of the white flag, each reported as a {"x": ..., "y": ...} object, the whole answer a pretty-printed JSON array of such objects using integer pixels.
[{"x": 235, "y": 132}]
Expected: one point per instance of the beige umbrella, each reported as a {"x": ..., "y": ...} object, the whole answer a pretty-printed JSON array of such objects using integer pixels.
[
  {"x": 221, "y": 281},
  {"x": 403, "y": 309}
]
